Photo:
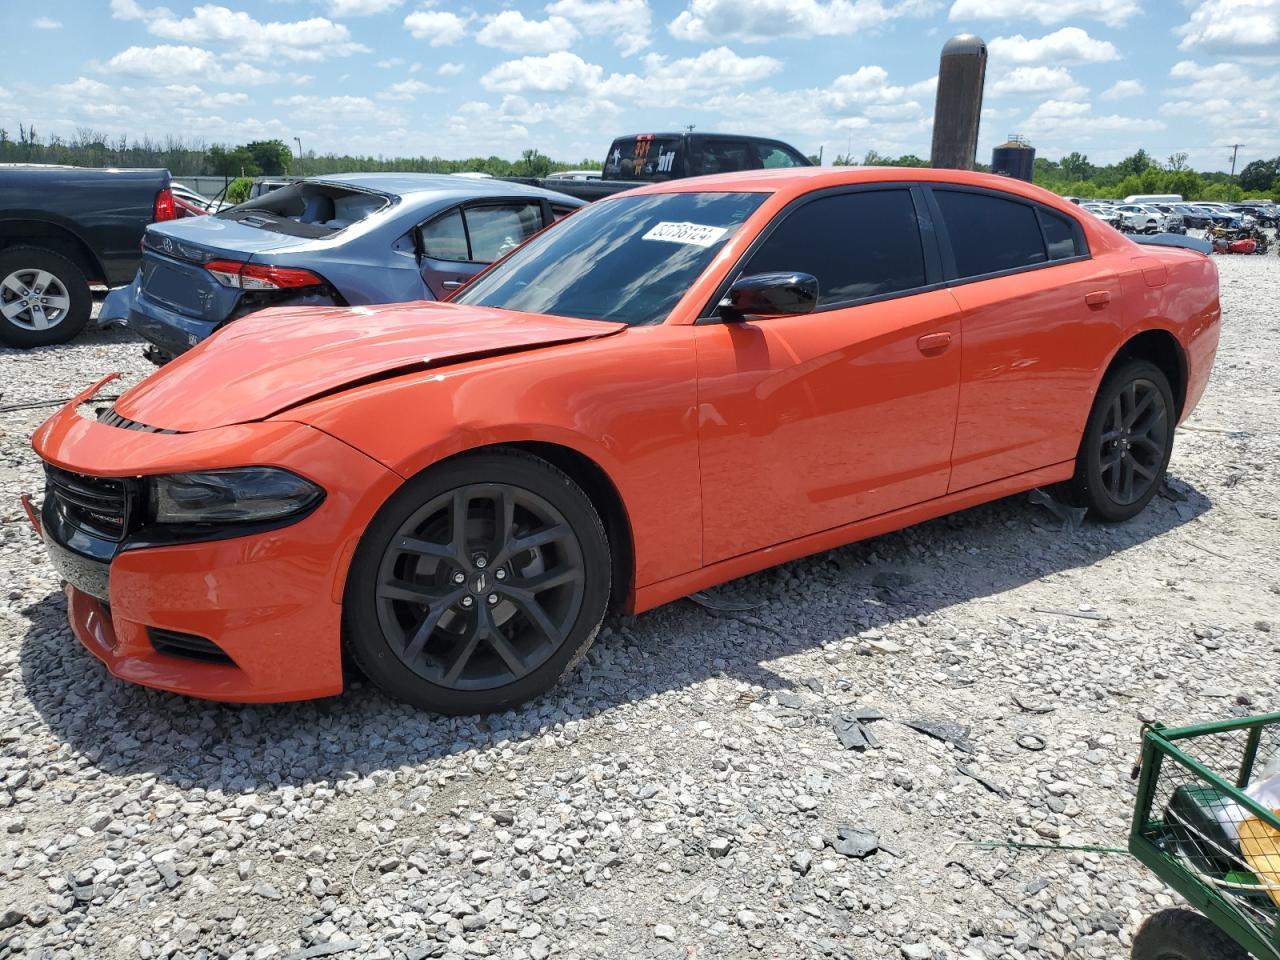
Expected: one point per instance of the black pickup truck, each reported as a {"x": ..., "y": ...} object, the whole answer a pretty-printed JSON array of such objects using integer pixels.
[
  {"x": 63, "y": 228},
  {"x": 642, "y": 158}
]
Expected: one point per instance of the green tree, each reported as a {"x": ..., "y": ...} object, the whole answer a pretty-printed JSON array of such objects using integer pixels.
[
  {"x": 1259, "y": 174},
  {"x": 1134, "y": 164},
  {"x": 231, "y": 163},
  {"x": 1187, "y": 183},
  {"x": 271, "y": 156},
  {"x": 535, "y": 164},
  {"x": 1076, "y": 166},
  {"x": 1177, "y": 162},
  {"x": 238, "y": 190}
]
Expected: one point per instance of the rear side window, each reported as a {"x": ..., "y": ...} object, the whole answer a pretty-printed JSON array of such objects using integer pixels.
[
  {"x": 723, "y": 156},
  {"x": 989, "y": 234},
  {"x": 1059, "y": 236},
  {"x": 481, "y": 234},
  {"x": 858, "y": 245}
]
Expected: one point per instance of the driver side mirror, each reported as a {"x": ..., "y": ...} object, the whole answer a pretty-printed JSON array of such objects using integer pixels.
[{"x": 769, "y": 295}]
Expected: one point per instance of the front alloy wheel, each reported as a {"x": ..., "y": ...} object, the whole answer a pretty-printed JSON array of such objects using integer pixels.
[{"x": 479, "y": 585}]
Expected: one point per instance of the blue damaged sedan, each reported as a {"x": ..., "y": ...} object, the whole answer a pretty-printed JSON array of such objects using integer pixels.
[{"x": 344, "y": 240}]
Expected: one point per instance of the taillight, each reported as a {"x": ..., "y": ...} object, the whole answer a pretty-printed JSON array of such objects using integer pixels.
[
  {"x": 165, "y": 207},
  {"x": 260, "y": 276}
]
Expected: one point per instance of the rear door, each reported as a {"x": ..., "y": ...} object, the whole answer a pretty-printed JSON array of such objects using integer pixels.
[
  {"x": 1040, "y": 318},
  {"x": 462, "y": 241}
]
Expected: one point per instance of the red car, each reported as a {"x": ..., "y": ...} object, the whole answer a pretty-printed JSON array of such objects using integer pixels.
[{"x": 671, "y": 388}]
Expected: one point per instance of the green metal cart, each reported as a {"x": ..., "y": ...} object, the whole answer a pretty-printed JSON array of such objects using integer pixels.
[{"x": 1190, "y": 813}]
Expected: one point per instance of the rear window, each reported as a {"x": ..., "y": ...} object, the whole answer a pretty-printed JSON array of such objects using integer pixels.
[
  {"x": 644, "y": 157},
  {"x": 307, "y": 209}
]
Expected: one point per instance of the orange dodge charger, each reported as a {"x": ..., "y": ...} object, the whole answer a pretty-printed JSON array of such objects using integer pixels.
[{"x": 672, "y": 387}]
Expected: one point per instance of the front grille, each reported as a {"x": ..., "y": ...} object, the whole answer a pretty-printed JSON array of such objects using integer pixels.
[
  {"x": 97, "y": 505},
  {"x": 187, "y": 645},
  {"x": 110, "y": 418}
]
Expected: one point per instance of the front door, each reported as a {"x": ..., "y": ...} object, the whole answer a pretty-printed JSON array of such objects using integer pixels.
[{"x": 814, "y": 421}]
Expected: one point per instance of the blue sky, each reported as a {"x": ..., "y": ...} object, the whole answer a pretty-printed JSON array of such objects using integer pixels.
[{"x": 408, "y": 77}]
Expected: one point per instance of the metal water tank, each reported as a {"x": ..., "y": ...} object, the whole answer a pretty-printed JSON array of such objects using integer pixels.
[
  {"x": 962, "y": 71},
  {"x": 1014, "y": 158}
]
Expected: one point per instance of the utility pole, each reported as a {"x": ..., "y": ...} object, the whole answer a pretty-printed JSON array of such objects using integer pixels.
[
  {"x": 1235, "y": 149},
  {"x": 298, "y": 141}
]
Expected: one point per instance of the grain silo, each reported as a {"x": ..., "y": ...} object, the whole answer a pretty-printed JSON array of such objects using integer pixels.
[
  {"x": 1014, "y": 158},
  {"x": 958, "y": 108}
]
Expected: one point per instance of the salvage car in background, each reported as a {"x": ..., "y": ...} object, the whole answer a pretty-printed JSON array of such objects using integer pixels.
[
  {"x": 62, "y": 229},
  {"x": 345, "y": 240},
  {"x": 673, "y": 387}
]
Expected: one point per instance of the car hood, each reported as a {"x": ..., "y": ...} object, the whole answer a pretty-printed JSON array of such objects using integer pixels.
[{"x": 278, "y": 358}]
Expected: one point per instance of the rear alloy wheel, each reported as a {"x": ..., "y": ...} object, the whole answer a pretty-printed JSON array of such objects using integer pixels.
[
  {"x": 1127, "y": 442},
  {"x": 479, "y": 585},
  {"x": 44, "y": 297}
]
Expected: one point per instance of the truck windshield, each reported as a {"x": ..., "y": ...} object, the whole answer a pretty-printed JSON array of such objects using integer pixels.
[{"x": 629, "y": 259}]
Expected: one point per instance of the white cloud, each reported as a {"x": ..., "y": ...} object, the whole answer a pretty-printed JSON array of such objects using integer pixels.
[
  {"x": 1113, "y": 13},
  {"x": 361, "y": 8},
  {"x": 46, "y": 23},
  {"x": 1234, "y": 27},
  {"x": 666, "y": 81},
  {"x": 557, "y": 72},
  {"x": 439, "y": 27},
  {"x": 1075, "y": 119},
  {"x": 178, "y": 62},
  {"x": 1070, "y": 45},
  {"x": 510, "y": 30},
  {"x": 450, "y": 69},
  {"x": 389, "y": 62},
  {"x": 627, "y": 21},
  {"x": 313, "y": 39},
  {"x": 407, "y": 90},
  {"x": 1023, "y": 80},
  {"x": 1122, "y": 89},
  {"x": 760, "y": 21}
]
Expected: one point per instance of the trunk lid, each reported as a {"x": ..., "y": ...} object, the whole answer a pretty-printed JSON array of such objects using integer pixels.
[
  {"x": 278, "y": 358},
  {"x": 174, "y": 254}
]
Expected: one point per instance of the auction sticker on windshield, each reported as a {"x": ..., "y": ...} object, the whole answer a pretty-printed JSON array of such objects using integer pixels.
[{"x": 697, "y": 234}]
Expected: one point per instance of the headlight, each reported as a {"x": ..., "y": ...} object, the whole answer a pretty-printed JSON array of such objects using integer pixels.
[{"x": 240, "y": 495}]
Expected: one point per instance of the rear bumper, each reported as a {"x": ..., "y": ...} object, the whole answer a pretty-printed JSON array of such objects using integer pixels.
[
  {"x": 271, "y": 601},
  {"x": 172, "y": 332}
]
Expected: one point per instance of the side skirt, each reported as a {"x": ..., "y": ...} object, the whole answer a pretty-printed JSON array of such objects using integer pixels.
[{"x": 664, "y": 591}]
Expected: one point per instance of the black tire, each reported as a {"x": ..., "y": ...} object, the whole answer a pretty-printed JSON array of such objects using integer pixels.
[
  {"x": 19, "y": 268},
  {"x": 1140, "y": 451},
  {"x": 447, "y": 645},
  {"x": 1183, "y": 935}
]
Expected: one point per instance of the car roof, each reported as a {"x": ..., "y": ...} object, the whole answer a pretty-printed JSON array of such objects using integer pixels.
[
  {"x": 440, "y": 184},
  {"x": 804, "y": 179}
]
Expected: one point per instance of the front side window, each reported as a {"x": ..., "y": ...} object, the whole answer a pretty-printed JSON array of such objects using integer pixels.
[
  {"x": 628, "y": 259},
  {"x": 497, "y": 230},
  {"x": 489, "y": 232},
  {"x": 990, "y": 234},
  {"x": 772, "y": 157},
  {"x": 858, "y": 245}
]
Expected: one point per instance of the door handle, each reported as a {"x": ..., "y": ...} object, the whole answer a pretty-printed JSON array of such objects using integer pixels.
[
  {"x": 1098, "y": 298},
  {"x": 452, "y": 284},
  {"x": 934, "y": 342}
]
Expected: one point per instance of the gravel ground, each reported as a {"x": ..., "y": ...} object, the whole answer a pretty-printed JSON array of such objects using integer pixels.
[{"x": 686, "y": 795}]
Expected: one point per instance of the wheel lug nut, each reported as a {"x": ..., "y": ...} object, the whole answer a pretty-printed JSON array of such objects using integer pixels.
[
  {"x": 467, "y": 601},
  {"x": 481, "y": 563},
  {"x": 459, "y": 577},
  {"x": 500, "y": 574},
  {"x": 493, "y": 599}
]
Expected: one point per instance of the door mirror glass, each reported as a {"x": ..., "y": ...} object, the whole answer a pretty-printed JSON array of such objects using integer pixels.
[{"x": 770, "y": 295}]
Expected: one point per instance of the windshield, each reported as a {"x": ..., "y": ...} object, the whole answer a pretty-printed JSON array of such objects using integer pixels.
[{"x": 629, "y": 259}]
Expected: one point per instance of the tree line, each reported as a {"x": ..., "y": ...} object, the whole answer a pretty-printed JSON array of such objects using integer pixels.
[
  {"x": 1073, "y": 175},
  {"x": 186, "y": 156}
]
